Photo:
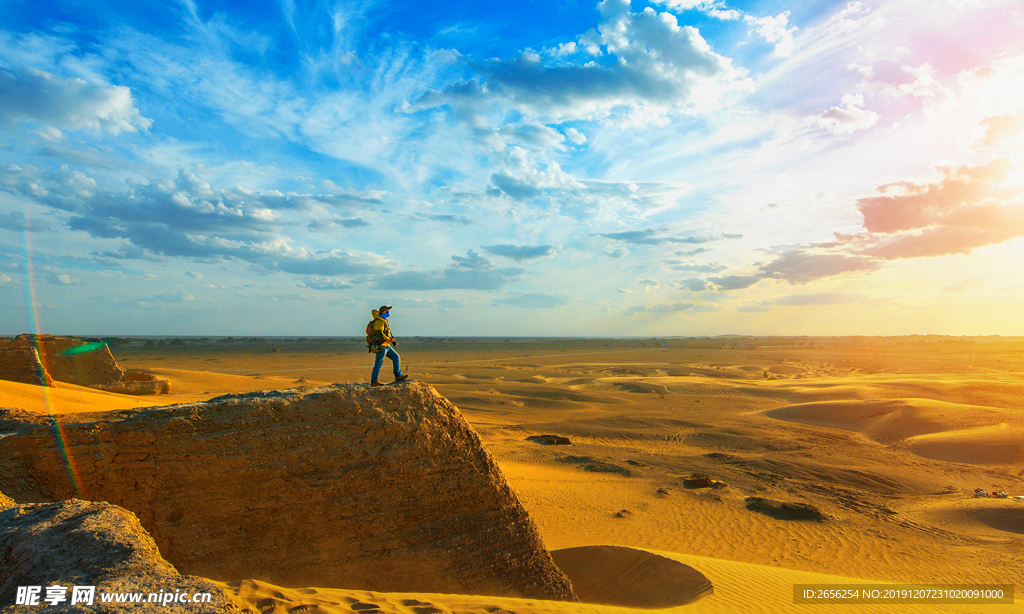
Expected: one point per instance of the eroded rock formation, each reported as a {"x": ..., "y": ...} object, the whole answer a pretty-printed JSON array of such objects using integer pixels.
[
  {"x": 91, "y": 544},
  {"x": 85, "y": 369},
  {"x": 22, "y": 364},
  {"x": 386, "y": 489},
  {"x": 49, "y": 359}
]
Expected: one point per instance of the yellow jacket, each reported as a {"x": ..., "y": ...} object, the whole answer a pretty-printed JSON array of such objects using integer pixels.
[{"x": 381, "y": 329}]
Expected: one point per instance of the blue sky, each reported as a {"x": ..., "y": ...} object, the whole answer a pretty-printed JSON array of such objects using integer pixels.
[{"x": 530, "y": 168}]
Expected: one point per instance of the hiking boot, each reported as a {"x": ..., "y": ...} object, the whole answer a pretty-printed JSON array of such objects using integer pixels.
[
  {"x": 376, "y": 384},
  {"x": 399, "y": 378}
]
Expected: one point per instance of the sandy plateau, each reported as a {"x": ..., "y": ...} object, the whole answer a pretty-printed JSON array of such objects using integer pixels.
[{"x": 864, "y": 455}]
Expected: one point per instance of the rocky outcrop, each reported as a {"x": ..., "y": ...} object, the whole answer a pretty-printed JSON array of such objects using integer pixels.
[
  {"x": 92, "y": 544},
  {"x": 549, "y": 440},
  {"x": 22, "y": 364},
  {"x": 72, "y": 360},
  {"x": 84, "y": 369},
  {"x": 386, "y": 489},
  {"x": 136, "y": 382}
]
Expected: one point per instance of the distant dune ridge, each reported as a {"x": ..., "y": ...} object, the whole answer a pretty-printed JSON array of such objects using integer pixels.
[{"x": 378, "y": 489}]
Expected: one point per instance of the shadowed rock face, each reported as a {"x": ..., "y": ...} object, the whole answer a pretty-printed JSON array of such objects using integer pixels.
[
  {"x": 85, "y": 369},
  {"x": 42, "y": 359},
  {"x": 386, "y": 489},
  {"x": 22, "y": 364},
  {"x": 89, "y": 544}
]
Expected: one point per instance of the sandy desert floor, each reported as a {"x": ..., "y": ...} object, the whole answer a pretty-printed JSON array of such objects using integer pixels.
[{"x": 886, "y": 440}]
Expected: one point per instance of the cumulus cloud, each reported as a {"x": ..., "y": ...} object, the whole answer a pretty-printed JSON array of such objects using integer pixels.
[
  {"x": 193, "y": 275},
  {"x": 530, "y": 133},
  {"x": 4, "y": 278},
  {"x": 848, "y": 118},
  {"x": 966, "y": 197},
  {"x": 632, "y": 61},
  {"x": 695, "y": 285},
  {"x": 575, "y": 136},
  {"x": 649, "y": 284},
  {"x": 933, "y": 94},
  {"x": 520, "y": 253},
  {"x": 187, "y": 217},
  {"x": 967, "y": 208},
  {"x": 522, "y": 180},
  {"x": 775, "y": 30},
  {"x": 69, "y": 104},
  {"x": 61, "y": 279},
  {"x": 1000, "y": 129},
  {"x": 713, "y": 8},
  {"x": 808, "y": 264},
  {"x": 473, "y": 260}
]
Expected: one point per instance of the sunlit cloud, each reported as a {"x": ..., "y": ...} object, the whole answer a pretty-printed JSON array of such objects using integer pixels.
[
  {"x": 60, "y": 103},
  {"x": 691, "y": 162}
]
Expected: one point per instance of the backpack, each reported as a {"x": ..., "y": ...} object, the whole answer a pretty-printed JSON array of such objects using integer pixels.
[{"x": 373, "y": 345}]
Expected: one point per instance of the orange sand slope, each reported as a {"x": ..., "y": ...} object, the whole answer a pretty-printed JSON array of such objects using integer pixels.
[
  {"x": 739, "y": 588},
  {"x": 68, "y": 399},
  {"x": 934, "y": 429},
  {"x": 186, "y": 387}
]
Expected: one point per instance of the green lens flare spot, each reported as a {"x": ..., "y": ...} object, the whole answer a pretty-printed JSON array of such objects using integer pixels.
[{"x": 82, "y": 349}]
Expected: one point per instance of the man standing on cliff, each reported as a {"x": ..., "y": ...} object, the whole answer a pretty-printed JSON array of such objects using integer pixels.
[{"x": 380, "y": 341}]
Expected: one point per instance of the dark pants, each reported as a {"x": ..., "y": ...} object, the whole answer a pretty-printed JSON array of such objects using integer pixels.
[{"x": 378, "y": 362}]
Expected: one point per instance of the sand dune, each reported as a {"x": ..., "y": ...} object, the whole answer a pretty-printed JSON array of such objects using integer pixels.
[
  {"x": 999, "y": 444},
  {"x": 992, "y": 519},
  {"x": 936, "y": 429},
  {"x": 66, "y": 398},
  {"x": 888, "y": 442},
  {"x": 740, "y": 588},
  {"x": 613, "y": 575}
]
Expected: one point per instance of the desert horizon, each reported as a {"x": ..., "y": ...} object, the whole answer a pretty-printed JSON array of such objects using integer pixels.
[{"x": 753, "y": 469}]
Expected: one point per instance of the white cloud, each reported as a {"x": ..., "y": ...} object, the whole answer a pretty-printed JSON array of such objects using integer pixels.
[
  {"x": 643, "y": 60},
  {"x": 521, "y": 180},
  {"x": 848, "y": 118},
  {"x": 575, "y": 136},
  {"x": 649, "y": 284},
  {"x": 936, "y": 97},
  {"x": 4, "y": 278},
  {"x": 59, "y": 103},
  {"x": 775, "y": 30},
  {"x": 62, "y": 279},
  {"x": 714, "y": 8}
]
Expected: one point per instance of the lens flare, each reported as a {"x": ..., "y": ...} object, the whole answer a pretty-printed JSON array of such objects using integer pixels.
[
  {"x": 82, "y": 349},
  {"x": 59, "y": 435}
]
